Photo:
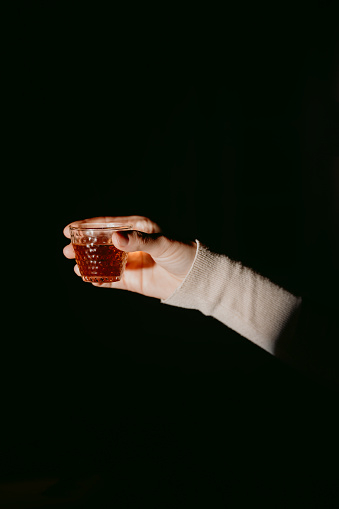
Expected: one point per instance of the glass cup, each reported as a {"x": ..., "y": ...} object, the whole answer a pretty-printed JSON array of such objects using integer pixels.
[{"x": 99, "y": 261}]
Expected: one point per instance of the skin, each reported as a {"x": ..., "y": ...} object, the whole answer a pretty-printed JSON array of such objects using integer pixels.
[{"x": 156, "y": 265}]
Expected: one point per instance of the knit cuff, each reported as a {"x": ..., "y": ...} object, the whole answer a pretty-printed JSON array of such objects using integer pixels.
[{"x": 189, "y": 293}]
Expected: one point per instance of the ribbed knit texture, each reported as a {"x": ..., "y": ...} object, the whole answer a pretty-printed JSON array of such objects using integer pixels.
[{"x": 238, "y": 297}]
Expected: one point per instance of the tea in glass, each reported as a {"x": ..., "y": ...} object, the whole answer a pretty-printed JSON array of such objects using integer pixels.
[{"x": 95, "y": 254}]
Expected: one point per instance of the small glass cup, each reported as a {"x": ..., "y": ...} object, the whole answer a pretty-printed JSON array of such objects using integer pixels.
[{"x": 99, "y": 261}]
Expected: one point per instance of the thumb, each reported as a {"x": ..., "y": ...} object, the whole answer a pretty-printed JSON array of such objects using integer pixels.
[{"x": 130, "y": 241}]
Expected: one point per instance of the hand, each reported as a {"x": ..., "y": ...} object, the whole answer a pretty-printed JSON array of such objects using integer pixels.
[{"x": 156, "y": 265}]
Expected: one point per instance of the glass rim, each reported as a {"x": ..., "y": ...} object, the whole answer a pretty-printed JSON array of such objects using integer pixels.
[{"x": 100, "y": 226}]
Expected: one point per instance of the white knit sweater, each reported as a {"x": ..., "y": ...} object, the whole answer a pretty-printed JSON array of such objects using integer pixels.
[{"x": 254, "y": 307}]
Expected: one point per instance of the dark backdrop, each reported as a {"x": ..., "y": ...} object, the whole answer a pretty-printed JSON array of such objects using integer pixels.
[{"x": 220, "y": 127}]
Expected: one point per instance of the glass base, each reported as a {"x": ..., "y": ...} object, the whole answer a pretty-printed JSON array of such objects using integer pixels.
[{"x": 98, "y": 279}]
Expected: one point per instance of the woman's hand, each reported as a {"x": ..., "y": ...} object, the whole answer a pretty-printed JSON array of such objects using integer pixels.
[{"x": 156, "y": 265}]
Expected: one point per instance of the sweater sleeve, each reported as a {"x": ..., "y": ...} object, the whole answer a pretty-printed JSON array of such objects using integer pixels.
[
  {"x": 238, "y": 297},
  {"x": 250, "y": 304}
]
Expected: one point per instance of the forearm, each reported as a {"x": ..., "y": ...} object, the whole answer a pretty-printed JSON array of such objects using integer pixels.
[
  {"x": 251, "y": 305},
  {"x": 238, "y": 297}
]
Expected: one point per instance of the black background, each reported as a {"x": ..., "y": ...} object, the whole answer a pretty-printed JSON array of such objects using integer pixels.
[{"x": 220, "y": 126}]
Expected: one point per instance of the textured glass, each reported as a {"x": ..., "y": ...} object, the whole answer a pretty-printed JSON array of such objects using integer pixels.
[{"x": 96, "y": 256}]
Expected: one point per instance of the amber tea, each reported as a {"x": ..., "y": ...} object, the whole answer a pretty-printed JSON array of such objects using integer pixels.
[{"x": 99, "y": 261}]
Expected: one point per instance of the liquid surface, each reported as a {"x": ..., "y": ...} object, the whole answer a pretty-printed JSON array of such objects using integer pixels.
[{"x": 100, "y": 262}]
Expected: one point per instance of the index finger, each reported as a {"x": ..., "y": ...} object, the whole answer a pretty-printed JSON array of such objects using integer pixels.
[
  {"x": 104, "y": 219},
  {"x": 139, "y": 223}
]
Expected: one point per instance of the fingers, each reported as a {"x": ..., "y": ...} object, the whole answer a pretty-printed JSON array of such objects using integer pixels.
[
  {"x": 69, "y": 251},
  {"x": 140, "y": 223},
  {"x": 103, "y": 219},
  {"x": 174, "y": 256},
  {"x": 119, "y": 285},
  {"x": 154, "y": 244},
  {"x": 143, "y": 224},
  {"x": 77, "y": 271}
]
